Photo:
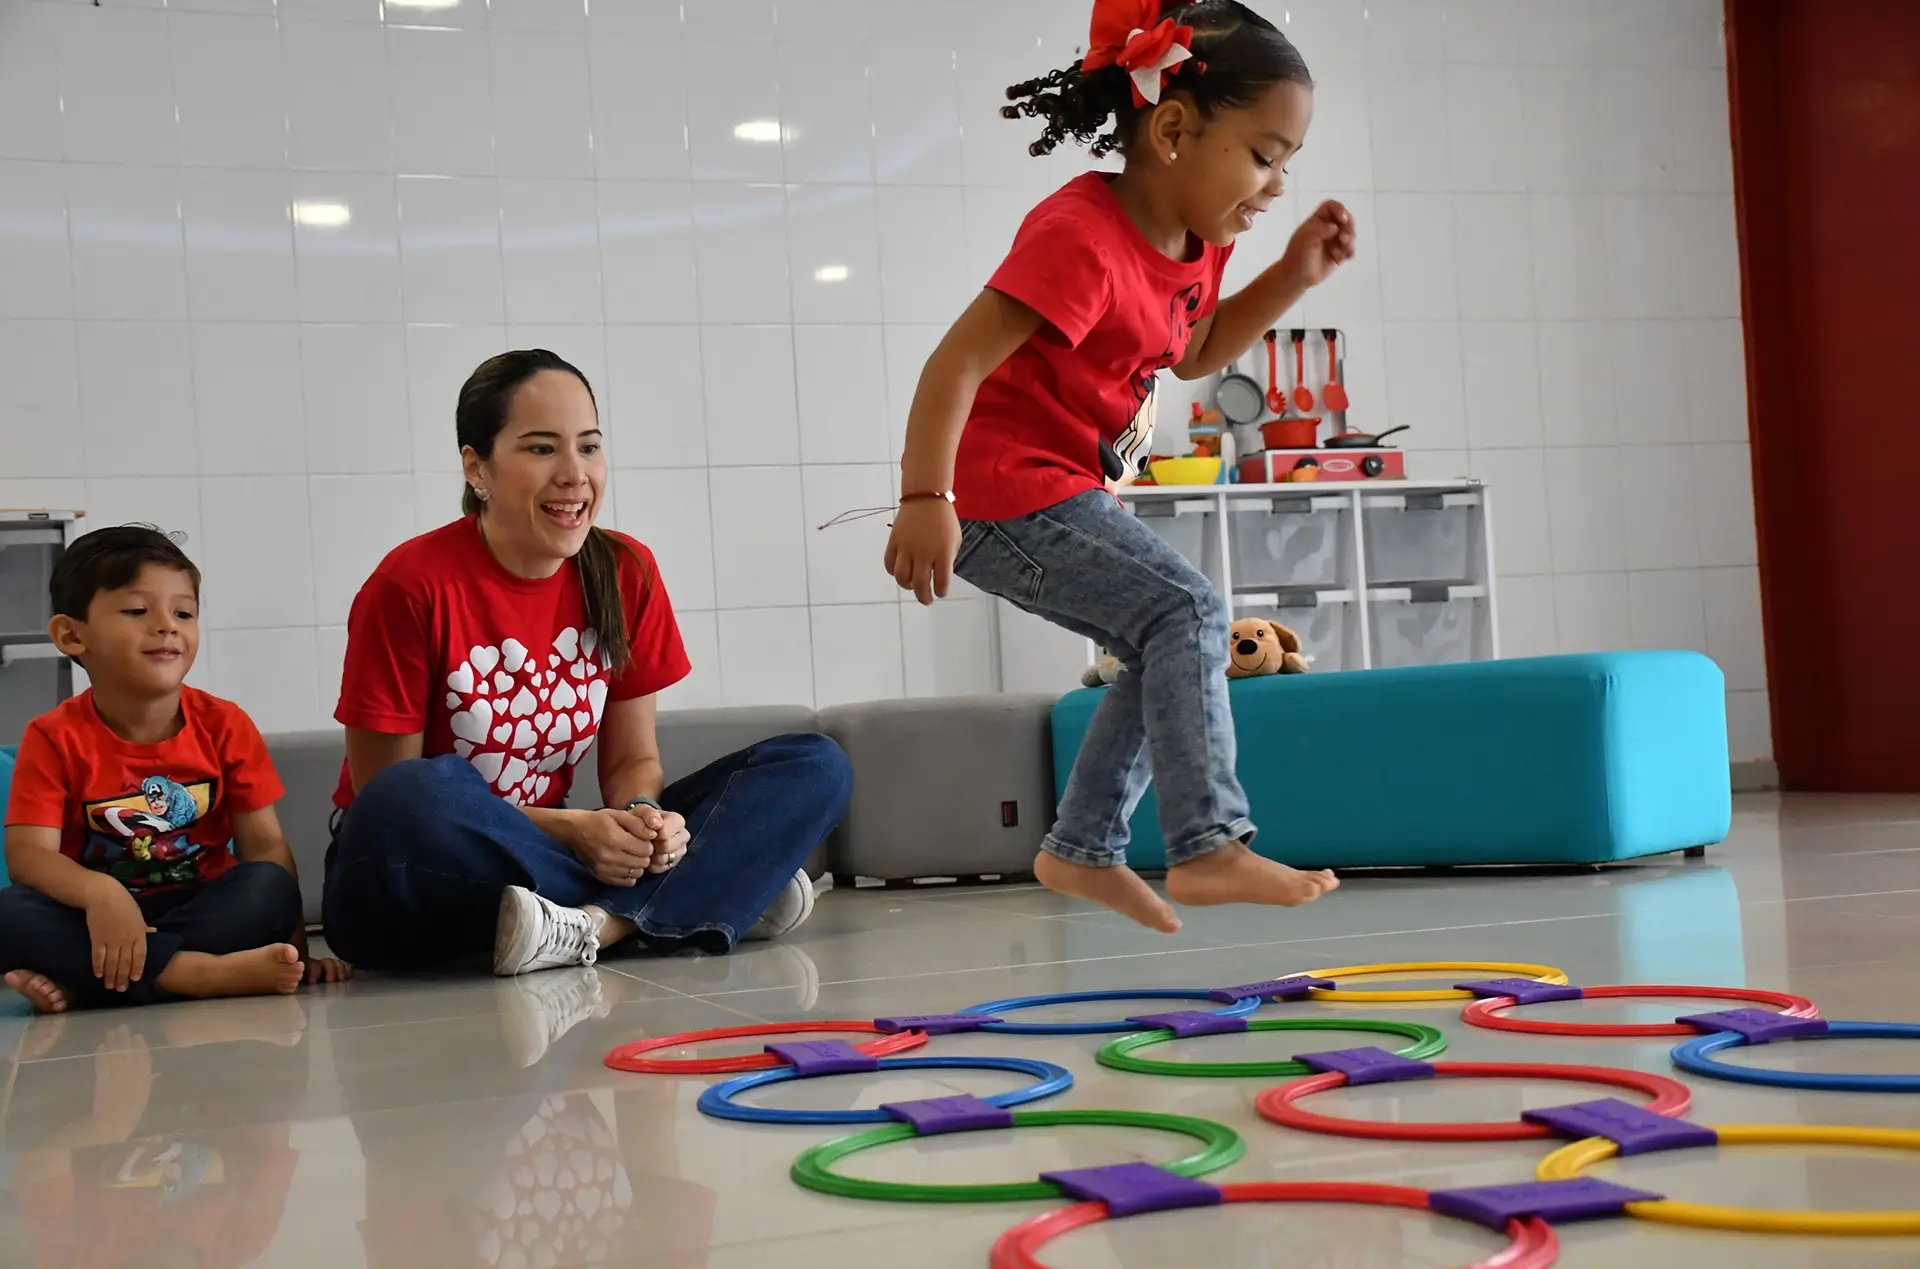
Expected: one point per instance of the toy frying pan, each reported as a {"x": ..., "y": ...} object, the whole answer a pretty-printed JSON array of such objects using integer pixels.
[
  {"x": 1360, "y": 440},
  {"x": 1239, "y": 399}
]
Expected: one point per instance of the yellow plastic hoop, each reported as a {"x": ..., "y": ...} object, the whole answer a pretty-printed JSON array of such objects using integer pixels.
[
  {"x": 1568, "y": 1162},
  {"x": 1504, "y": 969}
]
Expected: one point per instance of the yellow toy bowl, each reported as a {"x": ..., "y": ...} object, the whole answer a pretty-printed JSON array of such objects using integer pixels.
[{"x": 1185, "y": 471}]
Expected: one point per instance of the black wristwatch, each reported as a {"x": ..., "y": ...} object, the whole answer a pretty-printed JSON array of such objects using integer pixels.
[{"x": 643, "y": 801}]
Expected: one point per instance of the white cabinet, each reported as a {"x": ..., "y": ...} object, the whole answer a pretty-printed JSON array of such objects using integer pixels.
[
  {"x": 34, "y": 677},
  {"x": 1367, "y": 575}
]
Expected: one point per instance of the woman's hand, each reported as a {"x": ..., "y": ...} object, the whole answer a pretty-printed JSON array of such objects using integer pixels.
[
  {"x": 670, "y": 837},
  {"x": 920, "y": 551},
  {"x": 617, "y": 845},
  {"x": 1323, "y": 242}
]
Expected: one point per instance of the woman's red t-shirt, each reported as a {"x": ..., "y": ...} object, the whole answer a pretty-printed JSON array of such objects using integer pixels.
[
  {"x": 502, "y": 670},
  {"x": 1117, "y": 312}
]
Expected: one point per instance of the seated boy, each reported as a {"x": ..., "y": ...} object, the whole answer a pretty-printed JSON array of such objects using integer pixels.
[{"x": 124, "y": 799}]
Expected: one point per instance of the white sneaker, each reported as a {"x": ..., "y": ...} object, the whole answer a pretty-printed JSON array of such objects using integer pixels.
[
  {"x": 789, "y": 909},
  {"x": 535, "y": 1012},
  {"x": 533, "y": 933}
]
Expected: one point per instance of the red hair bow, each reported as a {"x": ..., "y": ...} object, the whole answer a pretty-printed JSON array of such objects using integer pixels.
[{"x": 1131, "y": 34}]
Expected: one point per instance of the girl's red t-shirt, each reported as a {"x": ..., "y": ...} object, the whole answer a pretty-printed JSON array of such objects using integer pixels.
[
  {"x": 502, "y": 670},
  {"x": 1117, "y": 312}
]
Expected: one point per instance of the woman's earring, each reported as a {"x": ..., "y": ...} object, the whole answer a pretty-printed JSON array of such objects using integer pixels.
[
  {"x": 1172, "y": 155},
  {"x": 481, "y": 494}
]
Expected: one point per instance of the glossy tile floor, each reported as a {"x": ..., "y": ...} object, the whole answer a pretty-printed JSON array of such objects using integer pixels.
[{"x": 472, "y": 1123}]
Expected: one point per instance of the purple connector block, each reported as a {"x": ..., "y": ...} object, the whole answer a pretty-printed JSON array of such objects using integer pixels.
[
  {"x": 1525, "y": 991},
  {"x": 1190, "y": 1022},
  {"x": 936, "y": 1023},
  {"x": 1295, "y": 988},
  {"x": 1367, "y": 1065},
  {"x": 823, "y": 1057},
  {"x": 961, "y": 1113},
  {"x": 1129, "y": 1189},
  {"x": 1635, "y": 1129},
  {"x": 1581, "y": 1199},
  {"x": 1758, "y": 1025}
]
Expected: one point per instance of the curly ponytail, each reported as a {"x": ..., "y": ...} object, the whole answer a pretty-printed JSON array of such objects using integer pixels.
[{"x": 1237, "y": 55}]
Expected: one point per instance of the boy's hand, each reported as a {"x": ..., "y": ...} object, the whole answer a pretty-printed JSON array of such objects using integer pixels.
[
  {"x": 1323, "y": 242},
  {"x": 327, "y": 969},
  {"x": 926, "y": 537},
  {"x": 119, "y": 931}
]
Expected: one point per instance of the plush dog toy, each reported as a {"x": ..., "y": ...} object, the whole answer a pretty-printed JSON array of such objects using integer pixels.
[
  {"x": 1102, "y": 673},
  {"x": 1258, "y": 646}
]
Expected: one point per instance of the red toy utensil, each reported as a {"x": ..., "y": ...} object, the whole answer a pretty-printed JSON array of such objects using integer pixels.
[
  {"x": 1302, "y": 394},
  {"x": 1335, "y": 393},
  {"x": 1276, "y": 399}
]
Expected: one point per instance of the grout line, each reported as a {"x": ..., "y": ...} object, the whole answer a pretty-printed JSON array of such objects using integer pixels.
[{"x": 1176, "y": 951}]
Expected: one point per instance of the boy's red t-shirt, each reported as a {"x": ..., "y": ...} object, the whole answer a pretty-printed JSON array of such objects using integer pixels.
[
  {"x": 1117, "y": 312},
  {"x": 502, "y": 670},
  {"x": 155, "y": 817}
]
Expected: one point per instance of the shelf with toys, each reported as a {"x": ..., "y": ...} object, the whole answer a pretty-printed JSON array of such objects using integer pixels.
[
  {"x": 1302, "y": 519},
  {"x": 1420, "y": 556}
]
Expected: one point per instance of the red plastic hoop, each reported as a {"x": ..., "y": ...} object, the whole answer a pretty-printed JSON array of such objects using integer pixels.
[
  {"x": 627, "y": 1056},
  {"x": 1490, "y": 1012},
  {"x": 1534, "y": 1245},
  {"x": 1669, "y": 1097}
]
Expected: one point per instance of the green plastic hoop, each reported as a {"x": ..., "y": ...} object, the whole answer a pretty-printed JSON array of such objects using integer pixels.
[
  {"x": 1118, "y": 1054},
  {"x": 813, "y": 1169}
]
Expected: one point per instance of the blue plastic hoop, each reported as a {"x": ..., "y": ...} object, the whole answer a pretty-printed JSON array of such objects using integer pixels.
[
  {"x": 718, "y": 1100},
  {"x": 1695, "y": 1056},
  {"x": 1238, "y": 1009}
]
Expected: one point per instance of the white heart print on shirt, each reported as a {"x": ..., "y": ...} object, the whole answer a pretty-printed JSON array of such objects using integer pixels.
[{"x": 518, "y": 720}]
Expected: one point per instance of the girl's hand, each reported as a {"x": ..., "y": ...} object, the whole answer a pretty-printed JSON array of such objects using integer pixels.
[
  {"x": 1323, "y": 242},
  {"x": 926, "y": 536},
  {"x": 616, "y": 845}
]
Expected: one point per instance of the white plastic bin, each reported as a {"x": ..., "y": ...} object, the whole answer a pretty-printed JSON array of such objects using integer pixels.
[
  {"x": 1326, "y": 621},
  {"x": 1420, "y": 537},
  {"x": 1428, "y": 625},
  {"x": 26, "y": 566},
  {"x": 1188, "y": 526},
  {"x": 1291, "y": 541}
]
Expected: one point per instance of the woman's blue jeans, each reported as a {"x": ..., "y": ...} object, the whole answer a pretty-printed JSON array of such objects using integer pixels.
[{"x": 418, "y": 862}]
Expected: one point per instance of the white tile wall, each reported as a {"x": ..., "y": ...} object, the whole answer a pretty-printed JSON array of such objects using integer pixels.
[{"x": 251, "y": 249}]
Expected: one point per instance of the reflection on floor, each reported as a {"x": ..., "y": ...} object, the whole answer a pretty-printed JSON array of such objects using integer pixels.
[{"x": 466, "y": 1122}]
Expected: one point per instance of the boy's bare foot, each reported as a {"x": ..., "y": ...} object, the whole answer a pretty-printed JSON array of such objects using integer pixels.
[
  {"x": 1234, "y": 874},
  {"x": 274, "y": 969},
  {"x": 1119, "y": 888},
  {"x": 41, "y": 992}
]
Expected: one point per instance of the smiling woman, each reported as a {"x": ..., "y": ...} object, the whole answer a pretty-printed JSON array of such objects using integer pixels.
[{"x": 484, "y": 659}]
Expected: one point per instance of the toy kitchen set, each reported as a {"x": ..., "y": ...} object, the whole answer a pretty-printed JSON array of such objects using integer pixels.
[{"x": 1300, "y": 516}]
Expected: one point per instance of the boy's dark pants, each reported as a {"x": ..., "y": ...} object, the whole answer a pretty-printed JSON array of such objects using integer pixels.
[{"x": 248, "y": 906}]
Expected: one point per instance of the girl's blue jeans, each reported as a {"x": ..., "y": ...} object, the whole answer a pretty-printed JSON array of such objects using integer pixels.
[{"x": 1088, "y": 566}]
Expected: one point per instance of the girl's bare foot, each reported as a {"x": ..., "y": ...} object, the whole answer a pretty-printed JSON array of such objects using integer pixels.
[
  {"x": 1234, "y": 874},
  {"x": 1119, "y": 888},
  {"x": 270, "y": 970},
  {"x": 41, "y": 992}
]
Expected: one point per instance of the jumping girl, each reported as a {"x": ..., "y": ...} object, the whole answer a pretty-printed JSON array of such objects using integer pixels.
[{"x": 1040, "y": 402}]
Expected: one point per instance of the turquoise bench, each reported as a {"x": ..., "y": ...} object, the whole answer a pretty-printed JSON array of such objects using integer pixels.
[{"x": 1551, "y": 760}]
